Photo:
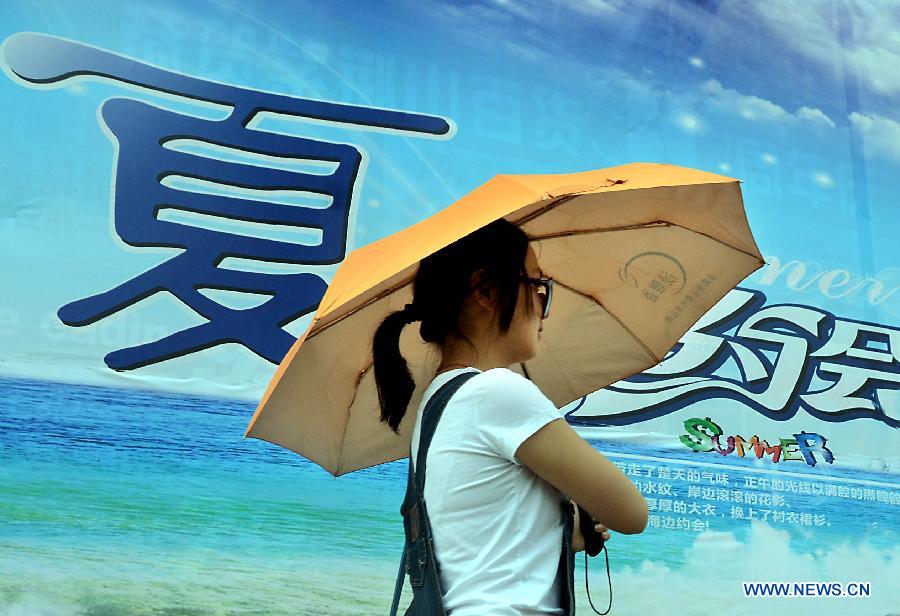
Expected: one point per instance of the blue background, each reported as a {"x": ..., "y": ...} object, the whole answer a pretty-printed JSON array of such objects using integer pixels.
[{"x": 132, "y": 492}]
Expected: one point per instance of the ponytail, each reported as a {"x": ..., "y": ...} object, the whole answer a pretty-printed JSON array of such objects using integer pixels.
[
  {"x": 442, "y": 283},
  {"x": 392, "y": 377}
]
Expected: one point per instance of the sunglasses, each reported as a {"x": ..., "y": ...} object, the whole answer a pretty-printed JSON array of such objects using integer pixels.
[{"x": 545, "y": 292}]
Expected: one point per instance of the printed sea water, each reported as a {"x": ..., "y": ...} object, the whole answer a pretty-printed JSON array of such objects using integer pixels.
[{"x": 135, "y": 502}]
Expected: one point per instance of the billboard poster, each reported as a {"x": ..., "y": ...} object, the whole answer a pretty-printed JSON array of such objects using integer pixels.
[{"x": 182, "y": 180}]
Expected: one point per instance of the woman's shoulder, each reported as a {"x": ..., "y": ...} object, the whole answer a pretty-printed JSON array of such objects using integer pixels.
[
  {"x": 502, "y": 375},
  {"x": 509, "y": 409},
  {"x": 503, "y": 381}
]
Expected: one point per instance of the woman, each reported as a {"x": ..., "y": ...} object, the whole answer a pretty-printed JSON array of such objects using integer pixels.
[{"x": 502, "y": 454}]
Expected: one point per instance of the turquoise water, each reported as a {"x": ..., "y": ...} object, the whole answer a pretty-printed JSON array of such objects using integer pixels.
[
  {"x": 145, "y": 503},
  {"x": 131, "y": 502}
]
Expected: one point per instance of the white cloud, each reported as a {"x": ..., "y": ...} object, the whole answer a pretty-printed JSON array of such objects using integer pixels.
[
  {"x": 860, "y": 40},
  {"x": 594, "y": 8},
  {"x": 720, "y": 561},
  {"x": 871, "y": 46},
  {"x": 814, "y": 115},
  {"x": 487, "y": 24},
  {"x": 535, "y": 11},
  {"x": 755, "y": 108},
  {"x": 855, "y": 39},
  {"x": 769, "y": 159},
  {"x": 880, "y": 135},
  {"x": 689, "y": 122},
  {"x": 861, "y": 122},
  {"x": 823, "y": 179},
  {"x": 746, "y": 105}
]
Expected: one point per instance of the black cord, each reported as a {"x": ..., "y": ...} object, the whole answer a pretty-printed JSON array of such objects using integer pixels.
[
  {"x": 593, "y": 545},
  {"x": 608, "y": 577}
]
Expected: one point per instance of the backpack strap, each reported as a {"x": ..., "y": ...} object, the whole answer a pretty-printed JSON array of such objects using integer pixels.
[
  {"x": 415, "y": 484},
  {"x": 430, "y": 418}
]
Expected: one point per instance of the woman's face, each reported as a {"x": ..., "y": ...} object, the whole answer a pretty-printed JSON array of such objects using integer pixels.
[{"x": 522, "y": 337}]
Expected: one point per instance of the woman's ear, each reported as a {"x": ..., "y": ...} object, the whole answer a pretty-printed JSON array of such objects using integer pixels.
[{"x": 483, "y": 292}]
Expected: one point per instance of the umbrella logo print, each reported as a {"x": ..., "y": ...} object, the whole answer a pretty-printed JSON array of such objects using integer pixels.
[{"x": 660, "y": 274}]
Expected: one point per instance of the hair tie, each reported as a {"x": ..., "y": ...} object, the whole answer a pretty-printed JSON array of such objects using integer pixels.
[{"x": 411, "y": 312}]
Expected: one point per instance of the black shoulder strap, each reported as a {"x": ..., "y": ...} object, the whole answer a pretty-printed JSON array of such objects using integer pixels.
[
  {"x": 430, "y": 418},
  {"x": 415, "y": 484}
]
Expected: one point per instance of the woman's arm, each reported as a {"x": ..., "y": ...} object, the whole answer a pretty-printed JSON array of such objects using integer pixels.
[{"x": 556, "y": 454}]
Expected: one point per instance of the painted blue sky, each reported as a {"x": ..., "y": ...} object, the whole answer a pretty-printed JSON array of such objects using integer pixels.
[{"x": 798, "y": 99}]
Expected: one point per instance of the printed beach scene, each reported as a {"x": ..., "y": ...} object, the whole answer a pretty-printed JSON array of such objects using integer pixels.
[{"x": 132, "y": 502}]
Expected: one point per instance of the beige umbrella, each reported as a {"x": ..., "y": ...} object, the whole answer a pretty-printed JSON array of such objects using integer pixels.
[{"x": 638, "y": 253}]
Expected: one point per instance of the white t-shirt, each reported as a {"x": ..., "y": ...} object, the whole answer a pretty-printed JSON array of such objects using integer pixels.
[{"x": 497, "y": 526}]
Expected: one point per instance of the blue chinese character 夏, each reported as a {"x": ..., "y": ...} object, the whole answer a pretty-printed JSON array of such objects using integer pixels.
[{"x": 161, "y": 186}]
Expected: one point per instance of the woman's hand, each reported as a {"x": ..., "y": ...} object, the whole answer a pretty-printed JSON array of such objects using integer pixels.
[{"x": 578, "y": 538}]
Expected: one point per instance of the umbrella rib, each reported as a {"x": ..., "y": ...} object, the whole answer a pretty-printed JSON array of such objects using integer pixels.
[
  {"x": 550, "y": 206},
  {"x": 643, "y": 225},
  {"x": 381, "y": 295},
  {"x": 610, "y": 313},
  {"x": 347, "y": 420},
  {"x": 655, "y": 223}
]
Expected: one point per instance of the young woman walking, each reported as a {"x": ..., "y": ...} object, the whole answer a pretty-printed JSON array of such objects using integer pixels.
[{"x": 502, "y": 457}]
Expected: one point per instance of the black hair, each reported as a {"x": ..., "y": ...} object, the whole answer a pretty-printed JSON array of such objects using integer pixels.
[{"x": 442, "y": 283}]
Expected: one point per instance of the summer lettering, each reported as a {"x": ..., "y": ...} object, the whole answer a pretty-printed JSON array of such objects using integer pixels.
[{"x": 704, "y": 435}]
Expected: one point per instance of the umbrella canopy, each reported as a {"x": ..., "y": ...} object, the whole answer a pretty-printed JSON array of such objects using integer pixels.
[{"x": 638, "y": 253}]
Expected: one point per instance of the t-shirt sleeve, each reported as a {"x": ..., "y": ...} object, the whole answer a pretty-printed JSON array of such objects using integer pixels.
[{"x": 511, "y": 409}]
